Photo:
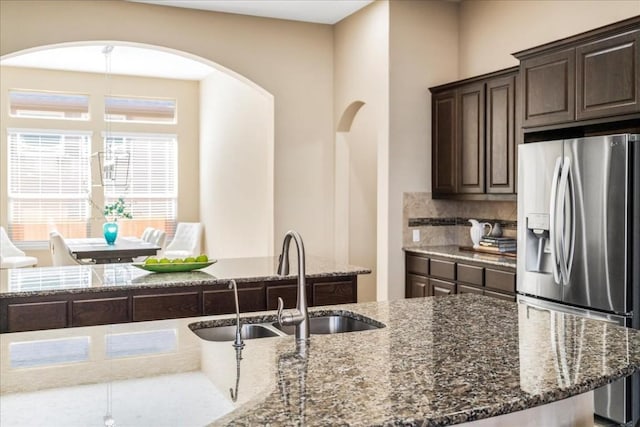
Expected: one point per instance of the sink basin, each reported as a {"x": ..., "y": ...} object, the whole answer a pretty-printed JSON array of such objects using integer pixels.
[
  {"x": 333, "y": 324},
  {"x": 228, "y": 333}
]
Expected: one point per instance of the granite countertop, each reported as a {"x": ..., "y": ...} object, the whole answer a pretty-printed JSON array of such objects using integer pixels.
[
  {"x": 454, "y": 252},
  {"x": 105, "y": 277},
  {"x": 439, "y": 361}
]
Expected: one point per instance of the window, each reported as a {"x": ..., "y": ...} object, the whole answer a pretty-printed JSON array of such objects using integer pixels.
[
  {"x": 49, "y": 182},
  {"x": 48, "y": 105},
  {"x": 151, "y": 193},
  {"x": 142, "y": 110}
]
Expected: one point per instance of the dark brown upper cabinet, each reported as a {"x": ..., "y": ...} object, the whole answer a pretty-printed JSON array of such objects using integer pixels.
[
  {"x": 607, "y": 77},
  {"x": 444, "y": 142},
  {"x": 548, "y": 88},
  {"x": 473, "y": 137},
  {"x": 588, "y": 79},
  {"x": 500, "y": 134}
]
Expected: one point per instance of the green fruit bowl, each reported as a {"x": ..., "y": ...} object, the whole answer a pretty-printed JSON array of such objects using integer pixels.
[{"x": 173, "y": 267}]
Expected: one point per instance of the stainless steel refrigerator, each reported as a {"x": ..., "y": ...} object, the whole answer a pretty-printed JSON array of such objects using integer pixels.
[{"x": 579, "y": 240}]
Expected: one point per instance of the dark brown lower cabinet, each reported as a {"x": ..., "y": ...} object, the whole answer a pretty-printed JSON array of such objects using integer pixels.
[
  {"x": 465, "y": 289},
  {"x": 288, "y": 293},
  {"x": 418, "y": 286},
  {"x": 29, "y": 313},
  {"x": 222, "y": 301},
  {"x": 100, "y": 311},
  {"x": 37, "y": 315},
  {"x": 163, "y": 306},
  {"x": 440, "y": 287},
  {"x": 328, "y": 293},
  {"x": 428, "y": 276}
]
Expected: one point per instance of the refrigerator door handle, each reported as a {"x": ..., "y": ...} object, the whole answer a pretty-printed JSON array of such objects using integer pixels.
[
  {"x": 553, "y": 232},
  {"x": 565, "y": 250}
]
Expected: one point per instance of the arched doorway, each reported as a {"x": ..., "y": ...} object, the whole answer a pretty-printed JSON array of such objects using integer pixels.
[{"x": 220, "y": 157}]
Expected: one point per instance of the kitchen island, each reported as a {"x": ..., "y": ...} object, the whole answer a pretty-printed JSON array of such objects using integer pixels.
[
  {"x": 72, "y": 296},
  {"x": 437, "y": 361}
]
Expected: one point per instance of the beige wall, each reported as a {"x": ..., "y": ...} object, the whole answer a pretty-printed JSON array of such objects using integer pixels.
[
  {"x": 291, "y": 60},
  {"x": 236, "y": 168},
  {"x": 361, "y": 74},
  {"x": 491, "y": 30},
  {"x": 185, "y": 92},
  {"x": 423, "y": 45}
]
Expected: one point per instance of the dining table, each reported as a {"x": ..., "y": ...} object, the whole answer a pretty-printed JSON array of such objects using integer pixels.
[{"x": 124, "y": 249}]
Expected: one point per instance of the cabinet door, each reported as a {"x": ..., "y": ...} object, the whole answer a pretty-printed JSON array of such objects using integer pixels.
[
  {"x": 36, "y": 316},
  {"x": 471, "y": 139},
  {"x": 608, "y": 77},
  {"x": 500, "y": 280},
  {"x": 166, "y": 306},
  {"x": 288, "y": 293},
  {"x": 222, "y": 301},
  {"x": 499, "y": 295},
  {"x": 444, "y": 143},
  {"x": 417, "y": 286},
  {"x": 464, "y": 289},
  {"x": 440, "y": 287},
  {"x": 100, "y": 311},
  {"x": 500, "y": 136},
  {"x": 548, "y": 88},
  {"x": 338, "y": 292}
]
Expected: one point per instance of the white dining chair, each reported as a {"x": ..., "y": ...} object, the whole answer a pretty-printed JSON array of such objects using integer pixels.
[
  {"x": 60, "y": 254},
  {"x": 146, "y": 234},
  {"x": 11, "y": 256},
  {"x": 186, "y": 242}
]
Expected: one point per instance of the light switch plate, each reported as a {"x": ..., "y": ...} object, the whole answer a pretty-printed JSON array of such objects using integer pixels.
[{"x": 416, "y": 235}]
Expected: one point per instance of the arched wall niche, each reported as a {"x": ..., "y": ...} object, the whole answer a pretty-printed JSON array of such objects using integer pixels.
[
  {"x": 226, "y": 102},
  {"x": 356, "y": 193}
]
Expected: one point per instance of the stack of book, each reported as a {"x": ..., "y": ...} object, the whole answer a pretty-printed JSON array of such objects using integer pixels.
[{"x": 498, "y": 244}]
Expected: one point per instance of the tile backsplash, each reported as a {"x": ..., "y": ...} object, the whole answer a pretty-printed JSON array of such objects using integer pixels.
[{"x": 446, "y": 222}]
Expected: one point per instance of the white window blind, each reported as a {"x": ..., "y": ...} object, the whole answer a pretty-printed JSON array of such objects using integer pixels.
[
  {"x": 48, "y": 183},
  {"x": 151, "y": 194}
]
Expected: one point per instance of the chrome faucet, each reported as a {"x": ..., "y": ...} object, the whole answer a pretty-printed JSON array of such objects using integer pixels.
[
  {"x": 300, "y": 315},
  {"x": 237, "y": 343}
]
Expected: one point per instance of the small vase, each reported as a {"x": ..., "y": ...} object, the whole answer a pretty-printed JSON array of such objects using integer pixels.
[{"x": 110, "y": 230}]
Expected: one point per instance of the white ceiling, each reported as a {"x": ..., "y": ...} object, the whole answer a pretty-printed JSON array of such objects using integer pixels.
[
  {"x": 127, "y": 60},
  {"x": 318, "y": 11},
  {"x": 136, "y": 61}
]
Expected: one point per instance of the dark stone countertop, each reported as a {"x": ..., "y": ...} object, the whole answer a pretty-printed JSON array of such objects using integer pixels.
[
  {"x": 439, "y": 361},
  {"x": 44, "y": 281},
  {"x": 456, "y": 254}
]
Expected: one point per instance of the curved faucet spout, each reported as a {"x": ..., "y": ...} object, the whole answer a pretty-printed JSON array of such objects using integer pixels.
[{"x": 300, "y": 316}]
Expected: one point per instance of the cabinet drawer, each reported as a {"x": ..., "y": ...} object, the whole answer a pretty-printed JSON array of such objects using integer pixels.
[
  {"x": 440, "y": 287},
  {"x": 329, "y": 293},
  {"x": 499, "y": 295},
  {"x": 470, "y": 274},
  {"x": 100, "y": 311},
  {"x": 417, "y": 265},
  {"x": 222, "y": 301},
  {"x": 464, "y": 289},
  {"x": 167, "y": 306},
  {"x": 36, "y": 316},
  {"x": 443, "y": 269},
  {"x": 501, "y": 280}
]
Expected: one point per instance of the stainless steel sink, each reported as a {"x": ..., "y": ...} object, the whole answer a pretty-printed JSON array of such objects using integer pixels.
[
  {"x": 228, "y": 333},
  {"x": 333, "y": 324}
]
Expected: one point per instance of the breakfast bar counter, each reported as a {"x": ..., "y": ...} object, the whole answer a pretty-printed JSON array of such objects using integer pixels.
[
  {"x": 437, "y": 361},
  {"x": 72, "y": 296}
]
